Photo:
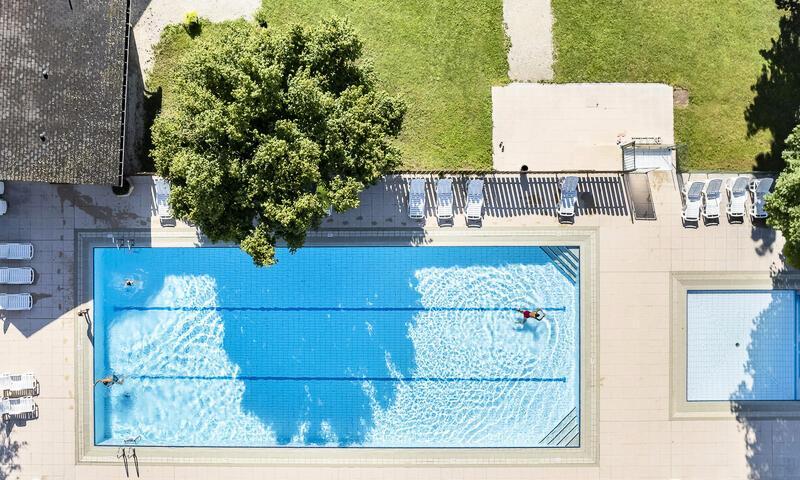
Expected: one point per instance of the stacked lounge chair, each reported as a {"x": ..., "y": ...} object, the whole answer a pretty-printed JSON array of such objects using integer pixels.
[
  {"x": 737, "y": 197},
  {"x": 444, "y": 199},
  {"x": 16, "y": 275},
  {"x": 474, "y": 208},
  {"x": 165, "y": 217},
  {"x": 16, "y": 301},
  {"x": 759, "y": 188},
  {"x": 3, "y": 203},
  {"x": 16, "y": 251},
  {"x": 22, "y": 385},
  {"x": 692, "y": 194},
  {"x": 23, "y": 408},
  {"x": 416, "y": 198}
]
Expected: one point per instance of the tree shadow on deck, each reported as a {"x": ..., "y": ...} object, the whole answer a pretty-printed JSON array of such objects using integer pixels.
[
  {"x": 9, "y": 452},
  {"x": 776, "y": 104}
]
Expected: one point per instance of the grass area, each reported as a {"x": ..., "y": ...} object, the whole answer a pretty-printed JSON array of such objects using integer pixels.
[
  {"x": 709, "y": 48},
  {"x": 441, "y": 57}
]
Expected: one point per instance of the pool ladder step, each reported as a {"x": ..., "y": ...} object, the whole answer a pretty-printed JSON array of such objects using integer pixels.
[
  {"x": 566, "y": 433},
  {"x": 566, "y": 260}
]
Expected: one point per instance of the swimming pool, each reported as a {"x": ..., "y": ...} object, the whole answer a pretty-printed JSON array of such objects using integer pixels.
[
  {"x": 403, "y": 347},
  {"x": 742, "y": 345}
]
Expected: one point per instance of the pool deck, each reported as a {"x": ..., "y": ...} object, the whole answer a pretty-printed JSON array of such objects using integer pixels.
[{"x": 639, "y": 433}]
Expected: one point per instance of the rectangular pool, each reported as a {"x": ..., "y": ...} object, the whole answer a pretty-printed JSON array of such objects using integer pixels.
[
  {"x": 742, "y": 345},
  {"x": 402, "y": 347}
]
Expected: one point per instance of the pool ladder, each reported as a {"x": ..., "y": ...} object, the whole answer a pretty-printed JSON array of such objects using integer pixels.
[{"x": 125, "y": 456}]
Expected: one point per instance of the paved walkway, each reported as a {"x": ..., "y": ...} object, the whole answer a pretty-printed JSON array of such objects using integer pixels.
[
  {"x": 637, "y": 437},
  {"x": 529, "y": 25}
]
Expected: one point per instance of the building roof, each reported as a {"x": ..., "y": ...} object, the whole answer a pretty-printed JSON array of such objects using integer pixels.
[{"x": 62, "y": 90}]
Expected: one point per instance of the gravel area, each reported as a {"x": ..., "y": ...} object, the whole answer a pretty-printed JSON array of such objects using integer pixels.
[
  {"x": 150, "y": 18},
  {"x": 529, "y": 25}
]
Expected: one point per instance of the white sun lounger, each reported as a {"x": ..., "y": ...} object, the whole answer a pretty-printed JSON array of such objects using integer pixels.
[
  {"x": 23, "y": 385},
  {"x": 3, "y": 207},
  {"x": 711, "y": 198},
  {"x": 2, "y": 188},
  {"x": 760, "y": 189},
  {"x": 16, "y": 275},
  {"x": 737, "y": 196},
  {"x": 16, "y": 251},
  {"x": 16, "y": 301},
  {"x": 162, "y": 201},
  {"x": 474, "y": 209},
  {"x": 416, "y": 198},
  {"x": 569, "y": 197},
  {"x": 692, "y": 193},
  {"x": 23, "y": 408},
  {"x": 444, "y": 198}
]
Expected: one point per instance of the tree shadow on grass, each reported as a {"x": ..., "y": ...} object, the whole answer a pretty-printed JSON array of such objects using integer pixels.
[{"x": 777, "y": 93}]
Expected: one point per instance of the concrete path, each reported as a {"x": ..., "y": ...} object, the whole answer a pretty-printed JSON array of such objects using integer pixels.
[{"x": 529, "y": 25}]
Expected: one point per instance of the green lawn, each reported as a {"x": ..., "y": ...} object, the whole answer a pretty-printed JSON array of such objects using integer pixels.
[
  {"x": 709, "y": 48},
  {"x": 441, "y": 57}
]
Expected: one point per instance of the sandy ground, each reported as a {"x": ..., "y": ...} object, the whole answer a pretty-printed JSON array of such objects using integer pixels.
[
  {"x": 529, "y": 26},
  {"x": 152, "y": 16}
]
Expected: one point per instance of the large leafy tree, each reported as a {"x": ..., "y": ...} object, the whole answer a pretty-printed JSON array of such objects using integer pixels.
[
  {"x": 268, "y": 130},
  {"x": 783, "y": 205}
]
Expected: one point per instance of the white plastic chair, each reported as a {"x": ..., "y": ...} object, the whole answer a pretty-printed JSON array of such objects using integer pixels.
[
  {"x": 16, "y": 275},
  {"x": 737, "y": 197},
  {"x": 711, "y": 199},
  {"x": 16, "y": 251},
  {"x": 162, "y": 201},
  {"x": 569, "y": 197},
  {"x": 16, "y": 301},
  {"x": 416, "y": 198},
  {"x": 474, "y": 208},
  {"x": 444, "y": 199},
  {"x": 693, "y": 199}
]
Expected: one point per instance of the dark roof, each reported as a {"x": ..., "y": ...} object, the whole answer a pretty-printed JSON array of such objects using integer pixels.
[{"x": 63, "y": 73}]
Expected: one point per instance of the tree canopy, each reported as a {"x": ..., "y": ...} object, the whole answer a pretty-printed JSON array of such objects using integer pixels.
[
  {"x": 270, "y": 129},
  {"x": 783, "y": 205}
]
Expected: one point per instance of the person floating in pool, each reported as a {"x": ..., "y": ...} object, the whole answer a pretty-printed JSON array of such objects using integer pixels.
[
  {"x": 128, "y": 282},
  {"x": 537, "y": 315},
  {"x": 110, "y": 380}
]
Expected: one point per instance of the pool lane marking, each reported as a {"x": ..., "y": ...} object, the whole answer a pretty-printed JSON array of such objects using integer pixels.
[
  {"x": 353, "y": 379},
  {"x": 332, "y": 309}
]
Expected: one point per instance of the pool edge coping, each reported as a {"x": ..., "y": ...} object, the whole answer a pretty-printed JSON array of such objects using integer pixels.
[{"x": 586, "y": 454}]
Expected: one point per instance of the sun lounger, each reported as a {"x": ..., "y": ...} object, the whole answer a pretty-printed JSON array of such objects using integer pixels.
[
  {"x": 16, "y": 275},
  {"x": 444, "y": 199},
  {"x": 2, "y": 188},
  {"x": 16, "y": 301},
  {"x": 737, "y": 197},
  {"x": 692, "y": 193},
  {"x": 711, "y": 199},
  {"x": 162, "y": 201},
  {"x": 24, "y": 385},
  {"x": 16, "y": 251},
  {"x": 18, "y": 408},
  {"x": 569, "y": 197},
  {"x": 3, "y": 207},
  {"x": 416, "y": 198},
  {"x": 474, "y": 209},
  {"x": 760, "y": 189}
]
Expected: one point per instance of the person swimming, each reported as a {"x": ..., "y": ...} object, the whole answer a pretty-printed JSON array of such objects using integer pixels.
[
  {"x": 128, "y": 282},
  {"x": 537, "y": 314},
  {"x": 110, "y": 380}
]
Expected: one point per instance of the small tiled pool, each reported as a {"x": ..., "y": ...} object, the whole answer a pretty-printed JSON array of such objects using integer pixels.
[
  {"x": 401, "y": 347},
  {"x": 742, "y": 345}
]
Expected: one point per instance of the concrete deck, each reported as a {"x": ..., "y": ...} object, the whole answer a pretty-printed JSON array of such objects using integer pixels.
[
  {"x": 637, "y": 432},
  {"x": 557, "y": 127}
]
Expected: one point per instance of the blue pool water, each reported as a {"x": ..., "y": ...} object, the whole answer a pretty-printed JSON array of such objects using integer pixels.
[
  {"x": 742, "y": 345},
  {"x": 335, "y": 346}
]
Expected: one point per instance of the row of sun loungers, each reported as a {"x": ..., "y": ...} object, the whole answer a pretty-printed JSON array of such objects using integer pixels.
[
  {"x": 702, "y": 199},
  {"x": 444, "y": 199},
  {"x": 16, "y": 276},
  {"x": 17, "y": 396}
]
